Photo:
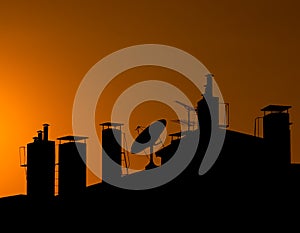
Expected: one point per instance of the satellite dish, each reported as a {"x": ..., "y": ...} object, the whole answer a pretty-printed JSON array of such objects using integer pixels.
[{"x": 147, "y": 138}]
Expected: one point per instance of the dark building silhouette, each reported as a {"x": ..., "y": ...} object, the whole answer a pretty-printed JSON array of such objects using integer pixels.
[
  {"x": 276, "y": 133},
  {"x": 112, "y": 148},
  {"x": 245, "y": 160},
  {"x": 253, "y": 174},
  {"x": 41, "y": 166},
  {"x": 72, "y": 166}
]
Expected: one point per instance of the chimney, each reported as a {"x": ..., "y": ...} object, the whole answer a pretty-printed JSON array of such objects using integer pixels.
[
  {"x": 45, "y": 132},
  {"x": 276, "y": 133},
  {"x": 40, "y": 135}
]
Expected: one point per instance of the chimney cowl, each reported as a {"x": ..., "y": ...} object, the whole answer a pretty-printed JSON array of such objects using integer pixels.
[{"x": 45, "y": 132}]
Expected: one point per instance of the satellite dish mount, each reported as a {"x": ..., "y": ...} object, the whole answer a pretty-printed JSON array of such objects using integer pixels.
[{"x": 147, "y": 138}]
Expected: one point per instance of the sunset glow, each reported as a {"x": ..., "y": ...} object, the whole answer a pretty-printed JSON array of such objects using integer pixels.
[{"x": 47, "y": 47}]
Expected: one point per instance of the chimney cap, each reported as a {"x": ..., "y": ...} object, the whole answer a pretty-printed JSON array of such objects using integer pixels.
[
  {"x": 209, "y": 75},
  {"x": 72, "y": 138},
  {"x": 111, "y": 124},
  {"x": 46, "y": 124},
  {"x": 276, "y": 108}
]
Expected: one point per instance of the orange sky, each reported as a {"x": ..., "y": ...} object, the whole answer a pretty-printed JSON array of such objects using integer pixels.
[{"x": 47, "y": 47}]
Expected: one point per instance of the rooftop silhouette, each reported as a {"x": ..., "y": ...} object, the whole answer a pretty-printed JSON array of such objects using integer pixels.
[{"x": 248, "y": 165}]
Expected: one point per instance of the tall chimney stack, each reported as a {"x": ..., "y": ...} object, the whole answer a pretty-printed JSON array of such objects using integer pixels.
[
  {"x": 209, "y": 86},
  {"x": 45, "y": 132}
]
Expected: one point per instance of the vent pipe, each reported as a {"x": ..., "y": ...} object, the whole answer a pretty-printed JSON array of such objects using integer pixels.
[
  {"x": 40, "y": 135},
  {"x": 45, "y": 132}
]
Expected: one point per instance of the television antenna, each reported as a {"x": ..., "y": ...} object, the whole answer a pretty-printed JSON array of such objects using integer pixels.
[{"x": 189, "y": 109}]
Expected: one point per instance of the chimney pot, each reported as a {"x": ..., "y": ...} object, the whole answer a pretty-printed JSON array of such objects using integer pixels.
[{"x": 45, "y": 132}]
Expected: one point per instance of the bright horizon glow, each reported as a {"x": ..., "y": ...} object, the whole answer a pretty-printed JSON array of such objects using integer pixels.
[{"x": 47, "y": 47}]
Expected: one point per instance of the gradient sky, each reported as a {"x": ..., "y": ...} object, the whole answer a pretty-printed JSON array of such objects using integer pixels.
[{"x": 47, "y": 47}]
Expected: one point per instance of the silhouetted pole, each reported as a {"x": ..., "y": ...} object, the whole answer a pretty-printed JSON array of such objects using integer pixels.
[{"x": 151, "y": 163}]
